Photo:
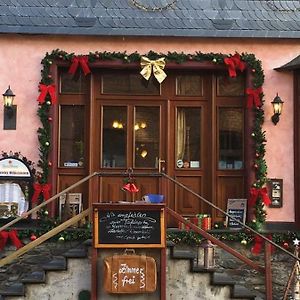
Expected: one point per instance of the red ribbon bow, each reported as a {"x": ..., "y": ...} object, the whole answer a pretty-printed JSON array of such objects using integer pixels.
[
  {"x": 254, "y": 97},
  {"x": 255, "y": 193},
  {"x": 45, "y": 89},
  {"x": 233, "y": 63},
  {"x": 13, "y": 236},
  {"x": 82, "y": 61},
  {"x": 41, "y": 188},
  {"x": 258, "y": 244},
  {"x": 130, "y": 187}
]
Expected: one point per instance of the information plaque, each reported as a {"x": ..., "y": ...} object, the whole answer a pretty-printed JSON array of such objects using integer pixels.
[{"x": 237, "y": 209}]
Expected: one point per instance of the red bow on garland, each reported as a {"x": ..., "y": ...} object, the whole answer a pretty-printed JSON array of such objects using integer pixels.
[
  {"x": 82, "y": 61},
  {"x": 41, "y": 188},
  {"x": 13, "y": 236},
  {"x": 258, "y": 244},
  {"x": 233, "y": 63},
  {"x": 254, "y": 97},
  {"x": 255, "y": 193},
  {"x": 45, "y": 89}
]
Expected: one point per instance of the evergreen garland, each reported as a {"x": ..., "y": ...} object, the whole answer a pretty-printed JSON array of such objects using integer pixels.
[{"x": 257, "y": 80}]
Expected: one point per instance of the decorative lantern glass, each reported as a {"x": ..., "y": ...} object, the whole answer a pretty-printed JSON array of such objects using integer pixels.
[
  {"x": 8, "y": 97},
  {"x": 277, "y": 108}
]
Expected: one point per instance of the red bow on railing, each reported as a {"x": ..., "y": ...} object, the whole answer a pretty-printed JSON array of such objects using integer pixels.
[
  {"x": 45, "y": 89},
  {"x": 40, "y": 188},
  {"x": 13, "y": 236},
  {"x": 130, "y": 187},
  {"x": 255, "y": 193},
  {"x": 258, "y": 244},
  {"x": 233, "y": 63},
  {"x": 82, "y": 61},
  {"x": 254, "y": 97}
]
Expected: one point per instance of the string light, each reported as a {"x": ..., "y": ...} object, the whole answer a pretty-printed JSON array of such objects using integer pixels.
[{"x": 139, "y": 5}]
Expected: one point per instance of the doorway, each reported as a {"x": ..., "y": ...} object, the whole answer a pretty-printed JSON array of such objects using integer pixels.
[
  {"x": 192, "y": 126},
  {"x": 193, "y": 123}
]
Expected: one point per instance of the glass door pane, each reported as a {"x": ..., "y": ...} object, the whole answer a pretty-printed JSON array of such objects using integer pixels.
[
  {"x": 231, "y": 128},
  {"x": 114, "y": 137},
  {"x": 146, "y": 136},
  {"x": 71, "y": 152},
  {"x": 188, "y": 137}
]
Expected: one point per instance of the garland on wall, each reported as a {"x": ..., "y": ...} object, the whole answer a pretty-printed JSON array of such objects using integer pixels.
[{"x": 153, "y": 64}]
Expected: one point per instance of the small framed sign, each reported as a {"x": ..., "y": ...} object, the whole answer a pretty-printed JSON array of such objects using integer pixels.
[
  {"x": 275, "y": 188},
  {"x": 236, "y": 208}
]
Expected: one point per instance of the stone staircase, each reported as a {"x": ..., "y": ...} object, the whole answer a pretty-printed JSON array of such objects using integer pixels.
[
  {"x": 32, "y": 270},
  {"x": 218, "y": 278},
  {"x": 51, "y": 268}
]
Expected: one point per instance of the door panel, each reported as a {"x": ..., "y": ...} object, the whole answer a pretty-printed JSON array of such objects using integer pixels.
[
  {"x": 65, "y": 181},
  {"x": 185, "y": 202},
  {"x": 228, "y": 187},
  {"x": 129, "y": 137},
  {"x": 110, "y": 188}
]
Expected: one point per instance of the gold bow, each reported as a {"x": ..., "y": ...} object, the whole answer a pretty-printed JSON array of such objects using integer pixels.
[{"x": 156, "y": 65}]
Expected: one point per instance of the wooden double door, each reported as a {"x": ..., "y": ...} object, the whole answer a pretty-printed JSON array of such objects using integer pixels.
[{"x": 191, "y": 127}]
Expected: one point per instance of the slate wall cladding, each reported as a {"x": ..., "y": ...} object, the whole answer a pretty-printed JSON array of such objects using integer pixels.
[{"x": 194, "y": 18}]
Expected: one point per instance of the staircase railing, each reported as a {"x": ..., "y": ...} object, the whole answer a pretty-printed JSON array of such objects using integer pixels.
[
  {"x": 38, "y": 207},
  {"x": 44, "y": 237},
  {"x": 268, "y": 243},
  {"x": 8, "y": 259}
]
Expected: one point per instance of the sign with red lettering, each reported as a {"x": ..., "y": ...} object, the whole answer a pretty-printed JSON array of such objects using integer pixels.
[{"x": 129, "y": 273}]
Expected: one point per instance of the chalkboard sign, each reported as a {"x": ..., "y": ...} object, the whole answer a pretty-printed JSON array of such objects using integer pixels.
[
  {"x": 237, "y": 209},
  {"x": 129, "y": 225}
]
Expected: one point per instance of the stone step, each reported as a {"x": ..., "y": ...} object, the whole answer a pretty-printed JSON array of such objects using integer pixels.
[
  {"x": 14, "y": 289},
  {"x": 34, "y": 277},
  {"x": 240, "y": 291},
  {"x": 222, "y": 279},
  {"x": 182, "y": 254},
  {"x": 76, "y": 253},
  {"x": 56, "y": 264}
]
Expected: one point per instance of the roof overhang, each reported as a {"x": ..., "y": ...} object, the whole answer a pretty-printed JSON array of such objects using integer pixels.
[{"x": 294, "y": 64}]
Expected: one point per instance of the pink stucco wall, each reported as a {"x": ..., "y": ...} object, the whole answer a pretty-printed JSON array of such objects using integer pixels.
[{"x": 20, "y": 58}]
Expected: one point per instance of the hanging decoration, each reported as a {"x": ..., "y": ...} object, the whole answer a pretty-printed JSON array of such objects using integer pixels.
[
  {"x": 157, "y": 66},
  {"x": 254, "y": 97},
  {"x": 12, "y": 236},
  {"x": 79, "y": 61},
  {"x": 43, "y": 189},
  {"x": 130, "y": 183},
  {"x": 234, "y": 63},
  {"x": 149, "y": 8},
  {"x": 44, "y": 90},
  {"x": 255, "y": 193}
]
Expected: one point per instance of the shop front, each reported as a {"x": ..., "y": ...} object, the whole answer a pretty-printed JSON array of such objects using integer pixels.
[{"x": 191, "y": 127}]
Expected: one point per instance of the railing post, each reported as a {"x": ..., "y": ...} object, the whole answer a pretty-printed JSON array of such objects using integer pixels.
[{"x": 268, "y": 271}]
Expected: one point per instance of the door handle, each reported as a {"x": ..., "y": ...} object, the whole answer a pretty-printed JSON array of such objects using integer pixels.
[{"x": 161, "y": 165}]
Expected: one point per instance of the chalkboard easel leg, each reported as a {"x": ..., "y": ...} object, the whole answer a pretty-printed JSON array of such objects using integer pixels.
[
  {"x": 94, "y": 273},
  {"x": 163, "y": 268}
]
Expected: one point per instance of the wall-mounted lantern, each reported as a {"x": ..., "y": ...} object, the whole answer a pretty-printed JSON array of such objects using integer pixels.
[
  {"x": 10, "y": 110},
  {"x": 277, "y": 108}
]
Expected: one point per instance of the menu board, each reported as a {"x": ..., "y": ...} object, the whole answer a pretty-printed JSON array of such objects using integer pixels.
[
  {"x": 133, "y": 225},
  {"x": 237, "y": 209}
]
